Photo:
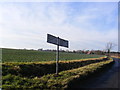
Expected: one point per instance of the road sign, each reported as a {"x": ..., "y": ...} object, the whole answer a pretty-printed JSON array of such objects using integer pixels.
[
  {"x": 51, "y": 39},
  {"x": 59, "y": 42},
  {"x": 63, "y": 43}
]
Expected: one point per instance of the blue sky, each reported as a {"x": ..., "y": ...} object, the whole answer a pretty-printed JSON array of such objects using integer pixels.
[{"x": 87, "y": 25}]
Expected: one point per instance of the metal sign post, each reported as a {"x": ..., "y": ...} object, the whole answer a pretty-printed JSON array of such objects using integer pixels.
[
  {"x": 57, "y": 56},
  {"x": 59, "y": 42}
]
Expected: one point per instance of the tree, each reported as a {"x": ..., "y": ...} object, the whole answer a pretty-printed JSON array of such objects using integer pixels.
[{"x": 109, "y": 46}]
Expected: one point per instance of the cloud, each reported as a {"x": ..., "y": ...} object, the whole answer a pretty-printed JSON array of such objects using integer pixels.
[{"x": 25, "y": 25}]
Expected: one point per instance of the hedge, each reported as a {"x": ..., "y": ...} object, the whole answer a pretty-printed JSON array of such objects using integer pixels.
[
  {"x": 53, "y": 81},
  {"x": 32, "y": 69}
]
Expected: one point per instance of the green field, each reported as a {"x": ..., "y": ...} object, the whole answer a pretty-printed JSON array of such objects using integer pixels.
[{"x": 20, "y": 55}]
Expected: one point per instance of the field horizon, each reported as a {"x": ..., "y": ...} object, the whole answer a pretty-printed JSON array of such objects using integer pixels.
[{"x": 22, "y": 55}]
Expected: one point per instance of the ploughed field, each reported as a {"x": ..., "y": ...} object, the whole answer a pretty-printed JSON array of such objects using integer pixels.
[
  {"x": 25, "y": 69},
  {"x": 19, "y": 55}
]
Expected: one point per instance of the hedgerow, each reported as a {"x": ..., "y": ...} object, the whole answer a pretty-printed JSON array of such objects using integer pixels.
[
  {"x": 53, "y": 81},
  {"x": 32, "y": 69}
]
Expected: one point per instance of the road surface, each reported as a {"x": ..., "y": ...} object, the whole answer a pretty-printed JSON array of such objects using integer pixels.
[{"x": 109, "y": 79}]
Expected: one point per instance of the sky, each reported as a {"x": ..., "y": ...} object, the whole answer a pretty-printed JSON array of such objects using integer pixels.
[{"x": 86, "y": 25}]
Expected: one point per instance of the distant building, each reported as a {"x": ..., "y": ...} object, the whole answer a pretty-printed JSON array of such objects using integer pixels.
[{"x": 89, "y": 52}]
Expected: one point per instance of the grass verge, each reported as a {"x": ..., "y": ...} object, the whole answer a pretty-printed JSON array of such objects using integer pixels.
[{"x": 53, "y": 81}]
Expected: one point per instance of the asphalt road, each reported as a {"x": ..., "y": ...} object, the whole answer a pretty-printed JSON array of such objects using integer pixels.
[{"x": 109, "y": 79}]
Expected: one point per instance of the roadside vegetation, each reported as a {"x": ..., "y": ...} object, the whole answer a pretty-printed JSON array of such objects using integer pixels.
[
  {"x": 50, "y": 81},
  {"x": 32, "y": 69}
]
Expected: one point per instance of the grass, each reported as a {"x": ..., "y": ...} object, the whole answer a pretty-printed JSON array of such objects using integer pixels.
[
  {"x": 19, "y": 55},
  {"x": 51, "y": 81}
]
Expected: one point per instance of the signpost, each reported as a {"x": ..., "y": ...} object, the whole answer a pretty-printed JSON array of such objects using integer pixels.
[{"x": 59, "y": 42}]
